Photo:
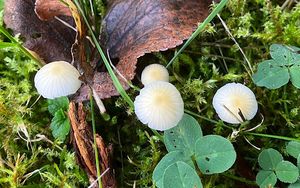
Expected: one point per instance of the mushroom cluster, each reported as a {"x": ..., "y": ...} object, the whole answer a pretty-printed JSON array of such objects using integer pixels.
[
  {"x": 235, "y": 103},
  {"x": 57, "y": 79},
  {"x": 159, "y": 104}
]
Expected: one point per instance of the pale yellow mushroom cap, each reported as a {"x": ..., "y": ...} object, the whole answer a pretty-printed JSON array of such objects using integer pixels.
[
  {"x": 57, "y": 79},
  {"x": 154, "y": 72},
  {"x": 234, "y": 99},
  {"x": 159, "y": 105}
]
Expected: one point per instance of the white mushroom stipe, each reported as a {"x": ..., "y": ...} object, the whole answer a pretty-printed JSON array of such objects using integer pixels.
[
  {"x": 154, "y": 72},
  {"x": 235, "y": 103},
  {"x": 57, "y": 79},
  {"x": 159, "y": 105}
]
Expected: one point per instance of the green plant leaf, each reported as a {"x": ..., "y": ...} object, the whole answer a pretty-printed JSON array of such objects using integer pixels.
[
  {"x": 167, "y": 160},
  {"x": 181, "y": 175},
  {"x": 60, "y": 125},
  {"x": 287, "y": 172},
  {"x": 266, "y": 179},
  {"x": 295, "y": 75},
  {"x": 284, "y": 66},
  {"x": 271, "y": 75},
  {"x": 269, "y": 158},
  {"x": 295, "y": 185},
  {"x": 214, "y": 154},
  {"x": 298, "y": 162},
  {"x": 7, "y": 44},
  {"x": 284, "y": 55},
  {"x": 184, "y": 135},
  {"x": 57, "y": 104},
  {"x": 293, "y": 148}
]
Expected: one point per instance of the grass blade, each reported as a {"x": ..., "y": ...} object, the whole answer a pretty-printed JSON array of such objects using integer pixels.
[{"x": 200, "y": 28}]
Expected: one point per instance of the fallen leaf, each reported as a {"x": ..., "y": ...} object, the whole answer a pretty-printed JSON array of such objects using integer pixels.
[
  {"x": 51, "y": 40},
  {"x": 134, "y": 27},
  {"x": 130, "y": 29},
  {"x": 48, "y": 9}
]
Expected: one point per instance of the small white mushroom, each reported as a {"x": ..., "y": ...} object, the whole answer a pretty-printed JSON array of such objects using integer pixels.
[
  {"x": 56, "y": 79},
  {"x": 159, "y": 105},
  {"x": 154, "y": 72},
  {"x": 235, "y": 103}
]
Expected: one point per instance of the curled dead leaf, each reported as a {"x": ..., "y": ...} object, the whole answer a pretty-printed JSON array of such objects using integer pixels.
[
  {"x": 51, "y": 40},
  {"x": 135, "y": 27},
  {"x": 48, "y": 9},
  {"x": 130, "y": 29}
]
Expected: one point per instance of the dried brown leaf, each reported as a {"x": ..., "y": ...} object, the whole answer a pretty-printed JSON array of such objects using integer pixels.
[
  {"x": 48, "y": 9},
  {"x": 51, "y": 40},
  {"x": 134, "y": 27}
]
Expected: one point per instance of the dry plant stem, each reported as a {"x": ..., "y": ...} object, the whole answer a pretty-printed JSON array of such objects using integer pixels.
[
  {"x": 251, "y": 144},
  {"x": 98, "y": 101},
  {"x": 222, "y": 57},
  {"x": 231, "y": 36}
]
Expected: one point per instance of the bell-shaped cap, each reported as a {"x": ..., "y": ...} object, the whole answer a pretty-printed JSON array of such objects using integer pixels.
[
  {"x": 154, "y": 72},
  {"x": 235, "y": 103},
  {"x": 159, "y": 105},
  {"x": 57, "y": 79}
]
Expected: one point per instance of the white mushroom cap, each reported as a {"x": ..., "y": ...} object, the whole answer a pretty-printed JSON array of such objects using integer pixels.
[
  {"x": 159, "y": 105},
  {"x": 154, "y": 72},
  {"x": 234, "y": 101},
  {"x": 56, "y": 79}
]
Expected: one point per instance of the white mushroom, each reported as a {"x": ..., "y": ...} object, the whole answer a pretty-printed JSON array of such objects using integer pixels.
[
  {"x": 154, "y": 72},
  {"x": 235, "y": 103},
  {"x": 57, "y": 79},
  {"x": 159, "y": 105}
]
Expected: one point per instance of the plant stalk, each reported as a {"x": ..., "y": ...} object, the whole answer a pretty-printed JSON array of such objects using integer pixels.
[
  {"x": 95, "y": 143},
  {"x": 200, "y": 28}
]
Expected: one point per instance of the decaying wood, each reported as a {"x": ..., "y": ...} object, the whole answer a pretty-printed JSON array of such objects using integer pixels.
[{"x": 82, "y": 139}]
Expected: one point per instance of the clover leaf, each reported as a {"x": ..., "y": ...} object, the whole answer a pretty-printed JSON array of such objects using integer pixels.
[{"x": 284, "y": 66}]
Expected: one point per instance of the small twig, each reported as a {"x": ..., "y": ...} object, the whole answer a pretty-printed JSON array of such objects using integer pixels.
[
  {"x": 287, "y": 3},
  {"x": 92, "y": 8},
  {"x": 257, "y": 126},
  {"x": 251, "y": 143},
  {"x": 96, "y": 180},
  {"x": 28, "y": 175},
  {"x": 224, "y": 62},
  {"x": 119, "y": 73},
  {"x": 98, "y": 101},
  {"x": 65, "y": 23},
  {"x": 35, "y": 101},
  {"x": 233, "y": 39}
]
